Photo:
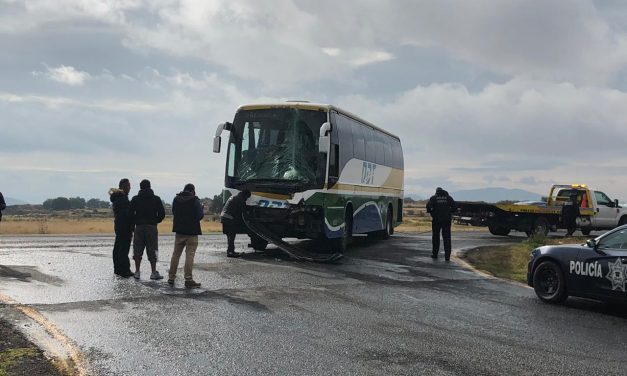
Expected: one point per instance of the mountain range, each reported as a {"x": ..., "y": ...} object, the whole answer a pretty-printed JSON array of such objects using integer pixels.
[{"x": 495, "y": 195}]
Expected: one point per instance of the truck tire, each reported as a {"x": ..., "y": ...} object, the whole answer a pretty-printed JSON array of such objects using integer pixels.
[
  {"x": 586, "y": 231},
  {"x": 549, "y": 283},
  {"x": 499, "y": 231},
  {"x": 623, "y": 220},
  {"x": 541, "y": 226}
]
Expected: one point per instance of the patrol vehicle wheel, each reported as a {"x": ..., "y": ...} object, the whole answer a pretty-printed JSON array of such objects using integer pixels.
[{"x": 549, "y": 283}]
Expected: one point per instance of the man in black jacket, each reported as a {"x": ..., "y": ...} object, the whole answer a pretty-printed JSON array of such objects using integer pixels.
[
  {"x": 441, "y": 207},
  {"x": 187, "y": 211},
  {"x": 123, "y": 226},
  {"x": 147, "y": 210},
  {"x": 3, "y": 205},
  {"x": 232, "y": 221}
]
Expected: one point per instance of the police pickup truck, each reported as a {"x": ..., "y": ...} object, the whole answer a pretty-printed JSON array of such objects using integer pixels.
[
  {"x": 595, "y": 270},
  {"x": 597, "y": 210}
]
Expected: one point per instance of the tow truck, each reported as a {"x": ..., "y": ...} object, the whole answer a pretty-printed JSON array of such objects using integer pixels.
[{"x": 597, "y": 212}]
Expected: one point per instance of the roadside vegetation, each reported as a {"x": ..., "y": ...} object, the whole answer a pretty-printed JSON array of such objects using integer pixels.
[
  {"x": 20, "y": 357},
  {"x": 510, "y": 261}
]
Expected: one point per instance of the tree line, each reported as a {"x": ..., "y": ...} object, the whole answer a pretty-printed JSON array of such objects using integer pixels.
[{"x": 212, "y": 205}]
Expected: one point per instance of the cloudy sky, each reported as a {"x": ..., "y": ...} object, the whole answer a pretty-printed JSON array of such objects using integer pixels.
[{"x": 517, "y": 93}]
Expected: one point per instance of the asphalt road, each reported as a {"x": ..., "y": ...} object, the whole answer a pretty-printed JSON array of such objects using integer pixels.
[{"x": 386, "y": 309}]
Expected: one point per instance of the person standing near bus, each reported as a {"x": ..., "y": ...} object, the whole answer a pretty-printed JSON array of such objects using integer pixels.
[
  {"x": 441, "y": 207},
  {"x": 3, "y": 205},
  {"x": 148, "y": 211},
  {"x": 187, "y": 211},
  {"x": 123, "y": 226},
  {"x": 570, "y": 212},
  {"x": 232, "y": 221}
]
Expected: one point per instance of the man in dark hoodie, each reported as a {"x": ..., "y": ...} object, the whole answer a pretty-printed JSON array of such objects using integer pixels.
[
  {"x": 232, "y": 221},
  {"x": 187, "y": 211},
  {"x": 123, "y": 226},
  {"x": 441, "y": 207},
  {"x": 3, "y": 205},
  {"x": 147, "y": 210}
]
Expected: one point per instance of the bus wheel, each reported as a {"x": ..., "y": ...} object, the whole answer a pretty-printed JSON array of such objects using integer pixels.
[
  {"x": 341, "y": 244},
  {"x": 389, "y": 225}
]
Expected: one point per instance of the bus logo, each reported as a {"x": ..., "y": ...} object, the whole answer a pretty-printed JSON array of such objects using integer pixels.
[{"x": 367, "y": 173}]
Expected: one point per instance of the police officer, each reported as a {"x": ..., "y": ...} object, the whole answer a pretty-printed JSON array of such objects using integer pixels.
[
  {"x": 570, "y": 212},
  {"x": 232, "y": 221},
  {"x": 441, "y": 207}
]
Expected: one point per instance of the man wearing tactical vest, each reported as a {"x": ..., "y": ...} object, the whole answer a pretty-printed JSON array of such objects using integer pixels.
[{"x": 441, "y": 207}]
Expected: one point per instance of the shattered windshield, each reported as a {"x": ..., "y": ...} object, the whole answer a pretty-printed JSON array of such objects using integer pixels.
[{"x": 276, "y": 145}]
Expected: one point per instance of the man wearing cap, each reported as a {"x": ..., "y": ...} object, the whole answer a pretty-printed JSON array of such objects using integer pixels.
[
  {"x": 147, "y": 211},
  {"x": 441, "y": 207}
]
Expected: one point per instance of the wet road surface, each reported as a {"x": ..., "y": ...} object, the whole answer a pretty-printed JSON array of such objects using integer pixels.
[{"x": 387, "y": 308}]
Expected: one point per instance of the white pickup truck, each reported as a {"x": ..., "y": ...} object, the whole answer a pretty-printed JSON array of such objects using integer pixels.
[
  {"x": 597, "y": 212},
  {"x": 608, "y": 213}
]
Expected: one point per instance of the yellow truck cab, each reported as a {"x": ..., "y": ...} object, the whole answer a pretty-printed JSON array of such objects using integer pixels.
[{"x": 597, "y": 212}]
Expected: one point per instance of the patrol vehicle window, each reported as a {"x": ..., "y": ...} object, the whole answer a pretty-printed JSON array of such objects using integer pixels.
[
  {"x": 616, "y": 240},
  {"x": 602, "y": 199}
]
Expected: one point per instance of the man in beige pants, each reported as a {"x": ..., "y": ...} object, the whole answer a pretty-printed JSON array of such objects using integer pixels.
[{"x": 188, "y": 212}]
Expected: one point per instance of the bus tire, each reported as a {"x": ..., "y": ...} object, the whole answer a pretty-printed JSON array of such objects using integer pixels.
[
  {"x": 389, "y": 224},
  {"x": 541, "y": 226}
]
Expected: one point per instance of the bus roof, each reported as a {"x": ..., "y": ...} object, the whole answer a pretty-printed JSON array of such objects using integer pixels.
[{"x": 311, "y": 106}]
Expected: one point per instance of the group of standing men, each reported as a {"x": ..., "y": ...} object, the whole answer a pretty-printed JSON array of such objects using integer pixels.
[{"x": 136, "y": 220}]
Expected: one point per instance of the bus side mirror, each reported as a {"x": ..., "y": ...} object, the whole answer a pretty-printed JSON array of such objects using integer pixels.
[
  {"x": 217, "y": 140},
  {"x": 324, "y": 141}
]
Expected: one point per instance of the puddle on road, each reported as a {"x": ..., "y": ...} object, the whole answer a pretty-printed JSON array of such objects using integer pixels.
[{"x": 28, "y": 274}]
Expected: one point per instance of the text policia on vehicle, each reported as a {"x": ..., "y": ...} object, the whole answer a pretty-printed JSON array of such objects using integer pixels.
[{"x": 315, "y": 171}]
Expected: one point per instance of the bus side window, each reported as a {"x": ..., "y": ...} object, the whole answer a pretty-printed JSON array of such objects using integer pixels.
[
  {"x": 387, "y": 150},
  {"x": 358, "y": 139},
  {"x": 371, "y": 149},
  {"x": 346, "y": 140},
  {"x": 380, "y": 156}
]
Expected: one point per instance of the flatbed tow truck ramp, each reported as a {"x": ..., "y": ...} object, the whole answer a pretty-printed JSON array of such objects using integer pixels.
[{"x": 597, "y": 212}]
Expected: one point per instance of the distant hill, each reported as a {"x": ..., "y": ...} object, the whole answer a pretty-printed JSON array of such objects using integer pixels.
[
  {"x": 495, "y": 195},
  {"x": 14, "y": 201}
]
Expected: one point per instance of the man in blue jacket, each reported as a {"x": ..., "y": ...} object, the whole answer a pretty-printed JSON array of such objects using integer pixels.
[
  {"x": 147, "y": 210},
  {"x": 187, "y": 211}
]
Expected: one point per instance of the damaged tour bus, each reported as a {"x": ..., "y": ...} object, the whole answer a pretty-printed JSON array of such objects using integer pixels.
[{"x": 315, "y": 171}]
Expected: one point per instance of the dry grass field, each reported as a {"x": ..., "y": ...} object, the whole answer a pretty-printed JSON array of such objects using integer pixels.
[{"x": 415, "y": 219}]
